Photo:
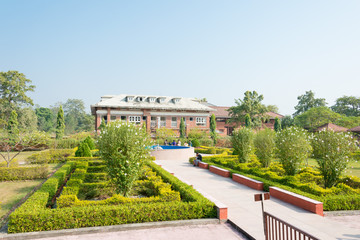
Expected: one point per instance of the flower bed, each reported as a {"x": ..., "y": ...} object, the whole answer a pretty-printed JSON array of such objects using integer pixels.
[
  {"x": 344, "y": 196},
  {"x": 34, "y": 215}
]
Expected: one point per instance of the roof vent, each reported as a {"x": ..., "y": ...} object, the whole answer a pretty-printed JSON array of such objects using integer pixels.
[
  {"x": 161, "y": 99},
  {"x": 176, "y": 100},
  {"x": 129, "y": 98},
  {"x": 151, "y": 99}
]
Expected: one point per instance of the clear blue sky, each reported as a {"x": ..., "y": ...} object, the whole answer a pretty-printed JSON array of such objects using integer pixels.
[{"x": 212, "y": 49}]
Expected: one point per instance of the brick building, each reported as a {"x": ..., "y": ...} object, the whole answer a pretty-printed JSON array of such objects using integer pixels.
[
  {"x": 153, "y": 111},
  {"x": 224, "y": 128}
]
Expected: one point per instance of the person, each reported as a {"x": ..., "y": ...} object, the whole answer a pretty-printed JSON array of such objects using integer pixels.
[
  {"x": 197, "y": 159},
  {"x": 174, "y": 143},
  {"x": 165, "y": 142},
  {"x": 179, "y": 143}
]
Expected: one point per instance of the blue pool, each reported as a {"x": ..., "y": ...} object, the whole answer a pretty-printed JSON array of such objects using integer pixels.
[{"x": 168, "y": 147}]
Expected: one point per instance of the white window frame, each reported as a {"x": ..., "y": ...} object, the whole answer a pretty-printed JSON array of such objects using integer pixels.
[
  {"x": 200, "y": 121},
  {"x": 174, "y": 123},
  {"x": 134, "y": 119},
  {"x": 162, "y": 121}
]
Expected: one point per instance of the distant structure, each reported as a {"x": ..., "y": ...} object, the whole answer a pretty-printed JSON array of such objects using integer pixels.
[
  {"x": 224, "y": 128},
  {"x": 331, "y": 126},
  {"x": 164, "y": 111},
  {"x": 153, "y": 111}
]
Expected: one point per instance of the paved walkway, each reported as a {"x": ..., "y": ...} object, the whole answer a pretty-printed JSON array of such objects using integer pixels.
[{"x": 246, "y": 213}]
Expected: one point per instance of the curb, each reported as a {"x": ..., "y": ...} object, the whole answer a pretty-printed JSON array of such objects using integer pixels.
[{"x": 106, "y": 229}]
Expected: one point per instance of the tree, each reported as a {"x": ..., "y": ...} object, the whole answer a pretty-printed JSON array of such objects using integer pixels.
[
  {"x": 90, "y": 142},
  {"x": 242, "y": 141},
  {"x": 348, "y": 122},
  {"x": 13, "y": 89},
  {"x": 287, "y": 121},
  {"x": 347, "y": 105},
  {"x": 213, "y": 128},
  {"x": 272, "y": 108},
  {"x": 182, "y": 128},
  {"x": 13, "y": 125},
  {"x": 45, "y": 119},
  {"x": 315, "y": 117},
  {"x": 277, "y": 125},
  {"x": 264, "y": 143},
  {"x": 332, "y": 152},
  {"x": 27, "y": 119},
  {"x": 293, "y": 147},
  {"x": 125, "y": 147},
  {"x": 250, "y": 104},
  {"x": 60, "y": 124},
  {"x": 308, "y": 101},
  {"x": 17, "y": 143}
]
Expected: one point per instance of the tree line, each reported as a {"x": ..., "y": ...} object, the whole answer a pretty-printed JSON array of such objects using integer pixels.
[{"x": 14, "y": 90}]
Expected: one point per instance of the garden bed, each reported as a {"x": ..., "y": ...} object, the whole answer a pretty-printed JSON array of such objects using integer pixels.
[
  {"x": 344, "y": 196},
  {"x": 169, "y": 199}
]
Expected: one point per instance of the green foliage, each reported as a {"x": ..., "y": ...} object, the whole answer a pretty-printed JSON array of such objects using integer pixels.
[
  {"x": 182, "y": 128},
  {"x": 332, "y": 152},
  {"x": 13, "y": 125},
  {"x": 264, "y": 143},
  {"x": 213, "y": 128},
  {"x": 315, "y": 117},
  {"x": 164, "y": 133},
  {"x": 195, "y": 143},
  {"x": 287, "y": 121},
  {"x": 23, "y": 173},
  {"x": 248, "y": 122},
  {"x": 125, "y": 148},
  {"x": 50, "y": 156},
  {"x": 308, "y": 101},
  {"x": 13, "y": 88},
  {"x": 277, "y": 125},
  {"x": 242, "y": 141},
  {"x": 83, "y": 150},
  {"x": 347, "y": 105},
  {"x": 348, "y": 122},
  {"x": 102, "y": 125},
  {"x": 60, "y": 124},
  {"x": 293, "y": 147},
  {"x": 45, "y": 119},
  {"x": 64, "y": 143},
  {"x": 251, "y": 104},
  {"x": 201, "y": 136},
  {"x": 90, "y": 142}
]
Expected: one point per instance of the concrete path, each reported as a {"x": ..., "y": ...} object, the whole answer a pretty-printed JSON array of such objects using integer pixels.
[{"x": 246, "y": 213}]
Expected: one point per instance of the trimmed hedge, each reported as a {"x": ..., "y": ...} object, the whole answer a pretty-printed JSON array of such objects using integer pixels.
[
  {"x": 34, "y": 216},
  {"x": 50, "y": 156},
  {"x": 23, "y": 173}
]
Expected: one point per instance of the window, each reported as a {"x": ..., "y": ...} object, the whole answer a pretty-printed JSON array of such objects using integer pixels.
[
  {"x": 135, "y": 119},
  {"x": 163, "y": 122},
  {"x": 201, "y": 121},
  {"x": 152, "y": 99},
  {"x": 174, "y": 122},
  {"x": 123, "y": 118},
  {"x": 130, "y": 98},
  {"x": 161, "y": 99},
  {"x": 191, "y": 119},
  {"x": 153, "y": 122},
  {"x": 113, "y": 118}
]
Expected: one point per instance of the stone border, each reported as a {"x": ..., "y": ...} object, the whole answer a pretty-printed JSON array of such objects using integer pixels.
[
  {"x": 251, "y": 183},
  {"x": 219, "y": 171}
]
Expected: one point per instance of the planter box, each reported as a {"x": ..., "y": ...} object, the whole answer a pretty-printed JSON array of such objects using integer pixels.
[
  {"x": 219, "y": 171},
  {"x": 203, "y": 165},
  {"x": 248, "y": 182},
  {"x": 297, "y": 200}
]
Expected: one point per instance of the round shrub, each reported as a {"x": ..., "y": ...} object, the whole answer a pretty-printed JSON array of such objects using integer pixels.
[
  {"x": 90, "y": 142},
  {"x": 83, "y": 150},
  {"x": 264, "y": 143}
]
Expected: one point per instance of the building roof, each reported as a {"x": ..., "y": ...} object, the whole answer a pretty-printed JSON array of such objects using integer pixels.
[
  {"x": 331, "y": 126},
  {"x": 128, "y": 101},
  {"x": 355, "y": 129},
  {"x": 221, "y": 112}
]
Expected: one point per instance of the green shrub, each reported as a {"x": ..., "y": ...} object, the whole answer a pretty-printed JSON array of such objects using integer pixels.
[
  {"x": 90, "y": 142},
  {"x": 242, "y": 141},
  {"x": 293, "y": 147},
  {"x": 332, "y": 151},
  {"x": 83, "y": 150},
  {"x": 64, "y": 143},
  {"x": 50, "y": 156},
  {"x": 264, "y": 143},
  {"x": 195, "y": 143},
  {"x": 23, "y": 173}
]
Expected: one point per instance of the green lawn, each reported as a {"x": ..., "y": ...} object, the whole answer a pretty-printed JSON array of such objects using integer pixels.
[
  {"x": 13, "y": 192},
  {"x": 21, "y": 158}
]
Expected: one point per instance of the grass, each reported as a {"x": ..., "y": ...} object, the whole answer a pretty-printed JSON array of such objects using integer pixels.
[
  {"x": 353, "y": 168},
  {"x": 12, "y": 192},
  {"x": 21, "y": 158}
]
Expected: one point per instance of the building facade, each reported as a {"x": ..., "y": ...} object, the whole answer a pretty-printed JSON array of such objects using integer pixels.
[{"x": 153, "y": 111}]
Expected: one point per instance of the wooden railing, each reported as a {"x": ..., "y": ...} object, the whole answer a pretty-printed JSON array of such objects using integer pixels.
[{"x": 276, "y": 229}]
